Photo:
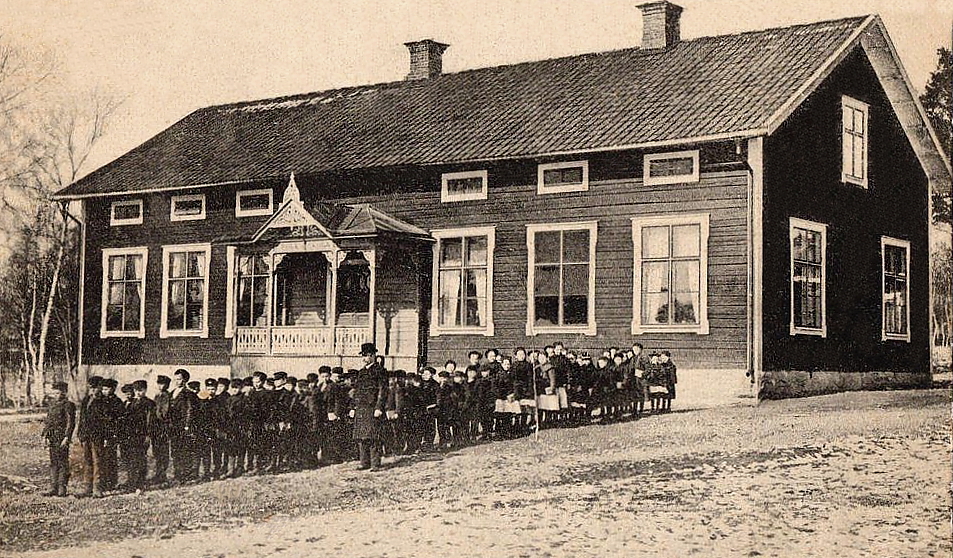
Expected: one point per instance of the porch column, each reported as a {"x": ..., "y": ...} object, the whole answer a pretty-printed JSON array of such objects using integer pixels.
[
  {"x": 332, "y": 290},
  {"x": 371, "y": 256}
]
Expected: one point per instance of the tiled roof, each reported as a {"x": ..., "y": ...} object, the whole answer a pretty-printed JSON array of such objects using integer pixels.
[{"x": 697, "y": 88}]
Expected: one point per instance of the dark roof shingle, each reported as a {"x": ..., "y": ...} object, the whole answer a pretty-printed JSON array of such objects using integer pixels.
[{"x": 703, "y": 87}]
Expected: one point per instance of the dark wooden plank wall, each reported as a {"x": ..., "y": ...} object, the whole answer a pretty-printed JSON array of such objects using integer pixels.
[
  {"x": 616, "y": 195},
  {"x": 802, "y": 179}
]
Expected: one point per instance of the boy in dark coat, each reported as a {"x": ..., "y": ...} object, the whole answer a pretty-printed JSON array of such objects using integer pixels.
[
  {"x": 670, "y": 375},
  {"x": 58, "y": 433},
  {"x": 87, "y": 432},
  {"x": 446, "y": 408},
  {"x": 183, "y": 409},
  {"x": 115, "y": 412},
  {"x": 234, "y": 465},
  {"x": 428, "y": 400},
  {"x": 160, "y": 437},
  {"x": 141, "y": 424}
]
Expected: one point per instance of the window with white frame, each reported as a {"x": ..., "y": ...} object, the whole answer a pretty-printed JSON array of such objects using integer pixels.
[
  {"x": 463, "y": 186},
  {"x": 253, "y": 279},
  {"x": 125, "y": 212},
  {"x": 670, "y": 168},
  {"x": 187, "y": 208},
  {"x": 185, "y": 290},
  {"x": 808, "y": 277},
  {"x": 254, "y": 203},
  {"x": 670, "y": 274},
  {"x": 124, "y": 287},
  {"x": 561, "y": 282},
  {"x": 570, "y": 176},
  {"x": 855, "y": 115},
  {"x": 895, "y": 255},
  {"x": 463, "y": 281}
]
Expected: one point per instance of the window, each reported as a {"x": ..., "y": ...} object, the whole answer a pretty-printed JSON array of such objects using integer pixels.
[
  {"x": 463, "y": 186},
  {"x": 896, "y": 288},
  {"x": 561, "y": 286},
  {"x": 254, "y": 203},
  {"x": 808, "y": 278},
  {"x": 463, "y": 281},
  {"x": 127, "y": 212},
  {"x": 185, "y": 290},
  {"x": 563, "y": 177},
  {"x": 670, "y": 168},
  {"x": 124, "y": 285},
  {"x": 187, "y": 208},
  {"x": 253, "y": 279},
  {"x": 855, "y": 141},
  {"x": 670, "y": 274}
]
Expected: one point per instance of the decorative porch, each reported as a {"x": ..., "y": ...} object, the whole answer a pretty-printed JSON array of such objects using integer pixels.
[{"x": 314, "y": 283}]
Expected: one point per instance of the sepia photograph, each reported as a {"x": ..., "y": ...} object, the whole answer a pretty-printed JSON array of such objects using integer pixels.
[{"x": 496, "y": 278}]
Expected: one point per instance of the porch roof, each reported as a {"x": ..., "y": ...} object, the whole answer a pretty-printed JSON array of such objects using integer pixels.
[{"x": 334, "y": 221}]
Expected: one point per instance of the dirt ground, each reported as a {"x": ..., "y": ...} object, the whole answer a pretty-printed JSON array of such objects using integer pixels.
[{"x": 858, "y": 474}]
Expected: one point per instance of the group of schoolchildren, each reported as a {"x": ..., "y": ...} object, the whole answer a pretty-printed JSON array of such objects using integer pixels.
[{"x": 260, "y": 424}]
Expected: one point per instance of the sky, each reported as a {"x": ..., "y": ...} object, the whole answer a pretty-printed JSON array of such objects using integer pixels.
[{"x": 168, "y": 58}]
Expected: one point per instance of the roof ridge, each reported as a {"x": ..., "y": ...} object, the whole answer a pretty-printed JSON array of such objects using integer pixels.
[{"x": 337, "y": 92}]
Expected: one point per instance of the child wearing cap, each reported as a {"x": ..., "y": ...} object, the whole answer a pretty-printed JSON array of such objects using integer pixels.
[{"x": 58, "y": 433}]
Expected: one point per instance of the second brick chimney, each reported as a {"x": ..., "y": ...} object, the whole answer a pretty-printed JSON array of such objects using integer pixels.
[
  {"x": 660, "y": 25},
  {"x": 426, "y": 58}
]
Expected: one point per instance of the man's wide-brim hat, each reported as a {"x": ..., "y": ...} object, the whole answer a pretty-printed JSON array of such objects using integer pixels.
[{"x": 368, "y": 349}]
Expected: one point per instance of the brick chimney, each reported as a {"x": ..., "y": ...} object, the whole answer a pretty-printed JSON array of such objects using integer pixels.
[
  {"x": 660, "y": 27},
  {"x": 426, "y": 58}
]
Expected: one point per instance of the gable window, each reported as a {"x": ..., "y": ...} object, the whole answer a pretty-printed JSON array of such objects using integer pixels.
[
  {"x": 126, "y": 212},
  {"x": 561, "y": 285},
  {"x": 854, "y": 127},
  {"x": 670, "y": 168},
  {"x": 187, "y": 208},
  {"x": 254, "y": 203},
  {"x": 463, "y": 280},
  {"x": 185, "y": 290},
  {"x": 124, "y": 284},
  {"x": 563, "y": 177},
  {"x": 670, "y": 274},
  {"x": 254, "y": 276},
  {"x": 808, "y": 278},
  {"x": 895, "y": 255},
  {"x": 463, "y": 186}
]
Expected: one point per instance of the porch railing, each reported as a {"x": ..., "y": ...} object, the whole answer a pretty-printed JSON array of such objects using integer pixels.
[{"x": 286, "y": 340}]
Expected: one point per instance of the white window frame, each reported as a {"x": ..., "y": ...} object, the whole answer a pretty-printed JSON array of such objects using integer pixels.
[
  {"x": 254, "y": 212},
  {"x": 541, "y": 188},
  {"x": 114, "y": 222},
  {"x": 173, "y": 216},
  {"x": 164, "y": 332},
  {"x": 677, "y": 179},
  {"x": 820, "y": 228},
  {"x": 436, "y": 329},
  {"x": 854, "y": 104},
  {"x": 897, "y": 243},
  {"x": 446, "y": 196},
  {"x": 588, "y": 328},
  {"x": 142, "y": 251},
  {"x": 638, "y": 223}
]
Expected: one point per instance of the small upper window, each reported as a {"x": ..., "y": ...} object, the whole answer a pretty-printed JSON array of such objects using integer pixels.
[
  {"x": 187, "y": 208},
  {"x": 563, "y": 177},
  {"x": 128, "y": 212},
  {"x": 463, "y": 186},
  {"x": 670, "y": 168},
  {"x": 254, "y": 203},
  {"x": 855, "y": 141}
]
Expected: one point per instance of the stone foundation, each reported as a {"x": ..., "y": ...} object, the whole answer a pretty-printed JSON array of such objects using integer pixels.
[{"x": 793, "y": 383}]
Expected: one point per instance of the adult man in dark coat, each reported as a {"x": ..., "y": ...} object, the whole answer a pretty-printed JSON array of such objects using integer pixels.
[
  {"x": 370, "y": 401},
  {"x": 58, "y": 432},
  {"x": 182, "y": 414}
]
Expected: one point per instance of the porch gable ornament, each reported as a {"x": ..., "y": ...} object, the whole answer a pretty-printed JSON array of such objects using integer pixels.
[{"x": 291, "y": 192}]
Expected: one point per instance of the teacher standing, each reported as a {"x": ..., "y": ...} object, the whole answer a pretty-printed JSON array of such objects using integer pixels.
[{"x": 370, "y": 401}]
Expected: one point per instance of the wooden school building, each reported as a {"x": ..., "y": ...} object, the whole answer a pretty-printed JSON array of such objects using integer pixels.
[{"x": 757, "y": 203}]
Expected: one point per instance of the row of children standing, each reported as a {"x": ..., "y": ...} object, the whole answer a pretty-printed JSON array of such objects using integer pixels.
[{"x": 259, "y": 424}]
